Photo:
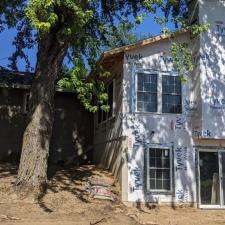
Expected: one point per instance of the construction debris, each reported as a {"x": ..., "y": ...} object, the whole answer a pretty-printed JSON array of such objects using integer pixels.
[
  {"x": 100, "y": 189},
  {"x": 98, "y": 182}
]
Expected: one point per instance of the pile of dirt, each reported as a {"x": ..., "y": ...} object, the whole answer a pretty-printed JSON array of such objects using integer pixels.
[{"x": 67, "y": 201}]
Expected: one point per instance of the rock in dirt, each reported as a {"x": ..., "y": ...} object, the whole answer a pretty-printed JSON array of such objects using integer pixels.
[
  {"x": 6, "y": 217},
  {"x": 98, "y": 221},
  {"x": 136, "y": 218},
  {"x": 149, "y": 223}
]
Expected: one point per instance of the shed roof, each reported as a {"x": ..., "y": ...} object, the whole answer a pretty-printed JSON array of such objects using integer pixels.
[
  {"x": 20, "y": 80},
  {"x": 16, "y": 78}
]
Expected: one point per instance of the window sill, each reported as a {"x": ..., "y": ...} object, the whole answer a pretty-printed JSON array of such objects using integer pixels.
[
  {"x": 158, "y": 113},
  {"x": 152, "y": 192}
]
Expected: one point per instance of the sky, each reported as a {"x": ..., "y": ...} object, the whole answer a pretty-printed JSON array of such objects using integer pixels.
[{"x": 148, "y": 27}]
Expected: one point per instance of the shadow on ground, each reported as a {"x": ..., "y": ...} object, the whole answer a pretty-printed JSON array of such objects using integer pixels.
[
  {"x": 60, "y": 179},
  {"x": 71, "y": 181},
  {"x": 66, "y": 193}
]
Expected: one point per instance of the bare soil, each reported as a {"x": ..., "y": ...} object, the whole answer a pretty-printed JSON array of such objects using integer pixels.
[{"x": 67, "y": 202}]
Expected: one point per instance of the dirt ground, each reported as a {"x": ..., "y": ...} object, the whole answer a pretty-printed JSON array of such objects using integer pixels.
[{"x": 67, "y": 202}]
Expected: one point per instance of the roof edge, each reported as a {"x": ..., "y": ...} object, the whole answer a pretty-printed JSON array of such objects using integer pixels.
[
  {"x": 27, "y": 87},
  {"x": 139, "y": 44}
]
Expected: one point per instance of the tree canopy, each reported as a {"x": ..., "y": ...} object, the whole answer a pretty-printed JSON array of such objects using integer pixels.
[{"x": 83, "y": 24}]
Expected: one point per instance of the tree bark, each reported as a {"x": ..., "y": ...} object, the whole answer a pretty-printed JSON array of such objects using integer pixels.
[{"x": 32, "y": 173}]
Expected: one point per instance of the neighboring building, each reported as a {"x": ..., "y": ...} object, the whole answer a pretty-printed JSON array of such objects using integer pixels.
[
  {"x": 72, "y": 130},
  {"x": 165, "y": 140}
]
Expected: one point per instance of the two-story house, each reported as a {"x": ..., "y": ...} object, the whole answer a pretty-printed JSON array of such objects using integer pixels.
[{"x": 165, "y": 139}]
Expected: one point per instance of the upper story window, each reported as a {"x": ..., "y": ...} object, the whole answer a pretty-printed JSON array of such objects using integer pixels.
[
  {"x": 158, "y": 93},
  {"x": 158, "y": 169},
  {"x": 147, "y": 92},
  {"x": 171, "y": 94},
  {"x": 102, "y": 115}
]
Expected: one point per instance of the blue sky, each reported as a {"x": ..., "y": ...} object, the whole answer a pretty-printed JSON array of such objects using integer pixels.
[{"x": 6, "y": 48}]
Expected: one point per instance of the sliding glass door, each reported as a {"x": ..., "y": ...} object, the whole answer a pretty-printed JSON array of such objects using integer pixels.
[
  {"x": 222, "y": 178},
  {"x": 209, "y": 178}
]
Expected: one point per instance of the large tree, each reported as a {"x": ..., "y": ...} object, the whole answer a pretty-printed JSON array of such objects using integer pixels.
[{"x": 65, "y": 28}]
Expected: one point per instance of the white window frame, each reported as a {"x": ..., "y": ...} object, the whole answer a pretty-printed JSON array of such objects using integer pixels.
[
  {"x": 136, "y": 91},
  {"x": 148, "y": 166},
  {"x": 181, "y": 94},
  {"x": 26, "y": 97},
  {"x": 159, "y": 90},
  {"x": 113, "y": 105}
]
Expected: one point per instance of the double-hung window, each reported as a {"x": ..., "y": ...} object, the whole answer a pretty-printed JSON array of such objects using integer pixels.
[
  {"x": 147, "y": 92},
  {"x": 171, "y": 94},
  {"x": 158, "y": 168},
  {"x": 158, "y": 93}
]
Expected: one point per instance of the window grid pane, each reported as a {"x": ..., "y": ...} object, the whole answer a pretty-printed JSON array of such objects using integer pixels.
[
  {"x": 159, "y": 169},
  {"x": 147, "y": 92},
  {"x": 171, "y": 94}
]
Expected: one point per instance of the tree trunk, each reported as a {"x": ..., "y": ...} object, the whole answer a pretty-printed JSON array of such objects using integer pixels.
[{"x": 32, "y": 174}]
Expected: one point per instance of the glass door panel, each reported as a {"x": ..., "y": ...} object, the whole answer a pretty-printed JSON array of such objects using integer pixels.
[
  {"x": 223, "y": 176},
  {"x": 209, "y": 178}
]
